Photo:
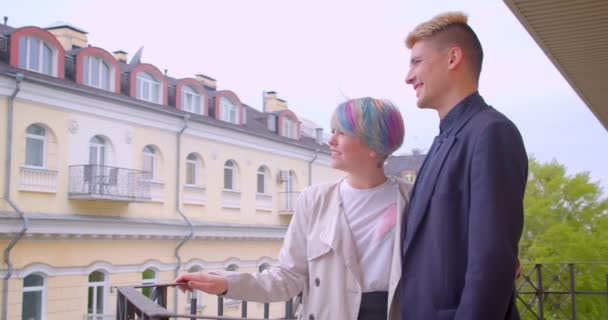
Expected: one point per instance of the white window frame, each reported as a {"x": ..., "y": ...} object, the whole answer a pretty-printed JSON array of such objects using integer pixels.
[
  {"x": 229, "y": 111},
  {"x": 144, "y": 78},
  {"x": 44, "y": 139},
  {"x": 149, "y": 154},
  {"x": 27, "y": 64},
  {"x": 261, "y": 174},
  {"x": 104, "y": 290},
  {"x": 289, "y": 128},
  {"x": 229, "y": 165},
  {"x": 42, "y": 289},
  {"x": 192, "y": 163},
  {"x": 153, "y": 280},
  {"x": 194, "y": 95},
  {"x": 87, "y": 73}
]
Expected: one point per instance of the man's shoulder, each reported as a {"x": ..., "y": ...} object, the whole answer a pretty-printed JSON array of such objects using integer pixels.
[{"x": 489, "y": 117}]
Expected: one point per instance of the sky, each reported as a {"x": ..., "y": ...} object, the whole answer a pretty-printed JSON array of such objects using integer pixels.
[{"x": 317, "y": 53}]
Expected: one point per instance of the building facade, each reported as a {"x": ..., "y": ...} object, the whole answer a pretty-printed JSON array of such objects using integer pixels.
[{"x": 117, "y": 174}]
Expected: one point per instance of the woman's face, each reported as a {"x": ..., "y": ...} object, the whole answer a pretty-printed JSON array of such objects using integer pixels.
[{"x": 349, "y": 153}]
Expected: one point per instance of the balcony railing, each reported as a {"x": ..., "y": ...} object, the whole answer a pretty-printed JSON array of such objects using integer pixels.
[
  {"x": 563, "y": 291},
  {"x": 132, "y": 304},
  {"x": 37, "y": 180},
  {"x": 94, "y": 182},
  {"x": 287, "y": 202}
]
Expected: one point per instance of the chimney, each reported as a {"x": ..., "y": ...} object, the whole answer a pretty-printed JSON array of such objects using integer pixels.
[
  {"x": 272, "y": 103},
  {"x": 319, "y": 135},
  {"x": 121, "y": 56},
  {"x": 207, "y": 81},
  {"x": 69, "y": 36}
]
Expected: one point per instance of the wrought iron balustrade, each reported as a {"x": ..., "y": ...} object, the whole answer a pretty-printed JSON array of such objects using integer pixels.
[
  {"x": 563, "y": 291},
  {"x": 287, "y": 202},
  {"x": 95, "y": 182},
  {"x": 132, "y": 304}
]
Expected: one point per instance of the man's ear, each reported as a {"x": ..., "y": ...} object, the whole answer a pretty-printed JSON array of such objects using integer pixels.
[{"x": 455, "y": 56}]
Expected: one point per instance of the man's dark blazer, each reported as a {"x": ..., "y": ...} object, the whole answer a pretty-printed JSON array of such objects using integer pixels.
[{"x": 460, "y": 247}]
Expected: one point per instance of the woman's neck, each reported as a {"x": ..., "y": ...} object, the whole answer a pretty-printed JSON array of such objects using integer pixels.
[{"x": 366, "y": 180}]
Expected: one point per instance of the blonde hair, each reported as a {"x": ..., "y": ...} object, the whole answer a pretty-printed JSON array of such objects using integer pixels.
[
  {"x": 451, "y": 29},
  {"x": 430, "y": 28}
]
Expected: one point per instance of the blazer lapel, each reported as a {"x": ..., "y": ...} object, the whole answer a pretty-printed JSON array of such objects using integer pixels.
[{"x": 441, "y": 154}]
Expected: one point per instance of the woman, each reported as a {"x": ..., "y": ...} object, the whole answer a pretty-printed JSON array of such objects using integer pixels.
[{"x": 342, "y": 247}]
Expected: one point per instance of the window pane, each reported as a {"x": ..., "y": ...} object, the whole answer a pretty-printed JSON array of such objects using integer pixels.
[
  {"x": 90, "y": 299},
  {"x": 148, "y": 275},
  {"x": 34, "y": 54},
  {"x": 191, "y": 173},
  {"x": 34, "y": 152},
  {"x": 191, "y": 156},
  {"x": 47, "y": 59},
  {"x": 32, "y": 306},
  {"x": 33, "y": 280},
  {"x": 99, "y": 300},
  {"x": 85, "y": 70},
  {"x": 105, "y": 76},
  {"x": 156, "y": 93},
  {"x": 36, "y": 129},
  {"x": 96, "y": 276},
  {"x": 23, "y": 52},
  {"x": 93, "y": 155},
  {"x": 145, "y": 94},
  {"x": 228, "y": 178},
  {"x": 197, "y": 104},
  {"x": 261, "y": 183},
  {"x": 94, "y": 72}
]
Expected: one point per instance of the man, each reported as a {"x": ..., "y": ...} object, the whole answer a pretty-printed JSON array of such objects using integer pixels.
[{"x": 466, "y": 215}]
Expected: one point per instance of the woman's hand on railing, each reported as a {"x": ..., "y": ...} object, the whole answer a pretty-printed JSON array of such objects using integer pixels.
[{"x": 207, "y": 282}]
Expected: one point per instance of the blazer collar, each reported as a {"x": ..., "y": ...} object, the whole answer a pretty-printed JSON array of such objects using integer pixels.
[{"x": 473, "y": 106}]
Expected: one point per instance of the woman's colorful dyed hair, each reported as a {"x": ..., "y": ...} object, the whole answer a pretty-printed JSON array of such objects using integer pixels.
[{"x": 377, "y": 122}]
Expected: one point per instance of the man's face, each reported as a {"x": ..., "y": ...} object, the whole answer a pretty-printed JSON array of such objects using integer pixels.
[{"x": 427, "y": 74}]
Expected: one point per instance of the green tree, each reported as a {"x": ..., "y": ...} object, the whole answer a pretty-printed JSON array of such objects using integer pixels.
[{"x": 565, "y": 216}]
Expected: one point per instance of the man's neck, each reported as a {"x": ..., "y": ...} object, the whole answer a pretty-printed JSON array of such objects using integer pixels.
[{"x": 453, "y": 98}]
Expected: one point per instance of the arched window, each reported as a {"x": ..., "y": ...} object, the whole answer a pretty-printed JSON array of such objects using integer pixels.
[
  {"x": 263, "y": 267},
  {"x": 148, "y": 88},
  {"x": 148, "y": 277},
  {"x": 34, "y": 297},
  {"x": 191, "y": 100},
  {"x": 96, "y": 72},
  {"x": 261, "y": 180},
  {"x": 192, "y": 169},
  {"x": 35, "y": 55},
  {"x": 229, "y": 176},
  {"x": 149, "y": 162},
  {"x": 232, "y": 267},
  {"x": 228, "y": 111},
  {"x": 96, "y": 295},
  {"x": 35, "y": 146},
  {"x": 97, "y": 151}
]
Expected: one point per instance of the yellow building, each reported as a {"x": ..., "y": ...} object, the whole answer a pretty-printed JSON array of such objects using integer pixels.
[{"x": 116, "y": 174}]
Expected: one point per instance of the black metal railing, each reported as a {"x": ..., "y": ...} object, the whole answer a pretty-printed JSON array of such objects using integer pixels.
[
  {"x": 563, "y": 291},
  {"x": 132, "y": 304},
  {"x": 108, "y": 183}
]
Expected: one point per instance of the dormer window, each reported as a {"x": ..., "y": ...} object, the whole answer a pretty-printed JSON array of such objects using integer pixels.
[
  {"x": 35, "y": 55},
  {"x": 228, "y": 111},
  {"x": 96, "y": 73},
  {"x": 191, "y": 100},
  {"x": 289, "y": 129},
  {"x": 148, "y": 88}
]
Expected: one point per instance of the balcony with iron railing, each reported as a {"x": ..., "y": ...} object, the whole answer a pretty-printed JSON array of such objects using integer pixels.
[
  {"x": 95, "y": 182},
  {"x": 132, "y": 304},
  {"x": 545, "y": 291},
  {"x": 287, "y": 202}
]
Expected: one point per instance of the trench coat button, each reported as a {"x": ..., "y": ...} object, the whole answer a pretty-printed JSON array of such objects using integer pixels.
[
  {"x": 311, "y": 317},
  {"x": 317, "y": 282}
]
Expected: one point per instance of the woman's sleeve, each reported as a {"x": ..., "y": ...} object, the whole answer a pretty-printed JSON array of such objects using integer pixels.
[{"x": 287, "y": 278}]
